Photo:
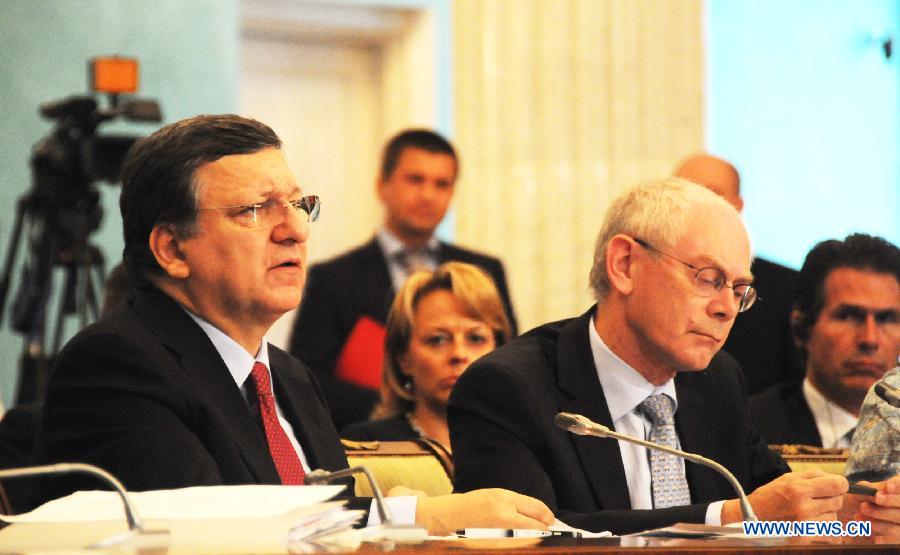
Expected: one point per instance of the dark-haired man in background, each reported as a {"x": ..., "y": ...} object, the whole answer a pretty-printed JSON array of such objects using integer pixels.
[
  {"x": 339, "y": 330},
  {"x": 178, "y": 386},
  {"x": 846, "y": 319}
]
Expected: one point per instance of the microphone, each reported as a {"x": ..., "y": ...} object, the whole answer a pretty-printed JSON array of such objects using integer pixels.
[
  {"x": 135, "y": 526},
  {"x": 321, "y": 476},
  {"x": 402, "y": 533},
  {"x": 580, "y": 425},
  {"x": 888, "y": 394}
]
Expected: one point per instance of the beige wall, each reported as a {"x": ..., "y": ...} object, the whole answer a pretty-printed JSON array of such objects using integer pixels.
[{"x": 559, "y": 105}]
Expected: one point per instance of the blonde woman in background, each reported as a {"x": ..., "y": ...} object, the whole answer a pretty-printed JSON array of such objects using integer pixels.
[{"x": 440, "y": 322}]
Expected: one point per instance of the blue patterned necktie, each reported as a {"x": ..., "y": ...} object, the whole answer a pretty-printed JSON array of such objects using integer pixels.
[{"x": 669, "y": 485}]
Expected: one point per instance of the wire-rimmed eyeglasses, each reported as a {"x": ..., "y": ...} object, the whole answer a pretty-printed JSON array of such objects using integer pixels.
[
  {"x": 709, "y": 281},
  {"x": 267, "y": 213}
]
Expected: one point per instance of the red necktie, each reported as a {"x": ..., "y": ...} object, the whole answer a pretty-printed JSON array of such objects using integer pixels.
[{"x": 286, "y": 460}]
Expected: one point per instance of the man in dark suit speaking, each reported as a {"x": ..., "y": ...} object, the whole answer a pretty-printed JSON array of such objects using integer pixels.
[
  {"x": 339, "y": 330},
  {"x": 178, "y": 387},
  {"x": 671, "y": 271}
]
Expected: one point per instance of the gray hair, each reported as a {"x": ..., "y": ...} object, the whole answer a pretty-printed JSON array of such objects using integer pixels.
[{"x": 656, "y": 212}]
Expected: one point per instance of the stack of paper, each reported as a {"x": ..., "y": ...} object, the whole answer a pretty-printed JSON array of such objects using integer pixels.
[{"x": 216, "y": 519}]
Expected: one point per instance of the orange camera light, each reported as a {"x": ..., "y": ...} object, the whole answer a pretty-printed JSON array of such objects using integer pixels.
[{"x": 114, "y": 75}]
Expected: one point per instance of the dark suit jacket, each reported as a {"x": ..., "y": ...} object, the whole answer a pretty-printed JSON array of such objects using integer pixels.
[
  {"x": 17, "y": 430},
  {"x": 144, "y": 394},
  {"x": 782, "y": 416},
  {"x": 501, "y": 417},
  {"x": 761, "y": 339},
  {"x": 340, "y": 291}
]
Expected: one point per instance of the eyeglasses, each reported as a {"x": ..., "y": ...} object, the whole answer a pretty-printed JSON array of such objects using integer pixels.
[
  {"x": 267, "y": 213},
  {"x": 709, "y": 281}
]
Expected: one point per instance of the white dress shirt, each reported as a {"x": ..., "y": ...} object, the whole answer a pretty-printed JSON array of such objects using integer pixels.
[
  {"x": 624, "y": 389},
  {"x": 240, "y": 365},
  {"x": 832, "y": 421}
]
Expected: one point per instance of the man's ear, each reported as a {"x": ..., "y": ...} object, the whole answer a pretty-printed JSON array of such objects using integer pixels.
[
  {"x": 800, "y": 327},
  {"x": 620, "y": 263},
  {"x": 379, "y": 187},
  {"x": 166, "y": 248}
]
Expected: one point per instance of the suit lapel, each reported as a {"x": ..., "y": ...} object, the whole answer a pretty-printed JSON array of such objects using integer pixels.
[
  {"x": 376, "y": 278},
  {"x": 449, "y": 253},
  {"x": 198, "y": 358},
  {"x": 802, "y": 417},
  {"x": 690, "y": 424},
  {"x": 312, "y": 425},
  {"x": 446, "y": 253},
  {"x": 599, "y": 457}
]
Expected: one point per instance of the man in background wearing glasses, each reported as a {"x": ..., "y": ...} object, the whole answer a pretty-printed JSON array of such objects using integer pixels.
[
  {"x": 671, "y": 272},
  {"x": 178, "y": 387}
]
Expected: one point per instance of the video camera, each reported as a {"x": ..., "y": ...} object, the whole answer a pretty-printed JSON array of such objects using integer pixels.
[
  {"x": 73, "y": 156},
  {"x": 62, "y": 208}
]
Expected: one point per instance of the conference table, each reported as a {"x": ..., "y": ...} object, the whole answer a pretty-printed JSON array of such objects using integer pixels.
[
  {"x": 632, "y": 544},
  {"x": 265, "y": 539}
]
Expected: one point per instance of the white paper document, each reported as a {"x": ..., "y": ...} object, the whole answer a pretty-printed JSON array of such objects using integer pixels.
[
  {"x": 211, "y": 520},
  {"x": 203, "y": 502}
]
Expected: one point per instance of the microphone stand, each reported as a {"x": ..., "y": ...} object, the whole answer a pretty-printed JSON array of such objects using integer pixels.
[
  {"x": 577, "y": 424},
  {"x": 320, "y": 476},
  {"x": 135, "y": 526},
  {"x": 402, "y": 533}
]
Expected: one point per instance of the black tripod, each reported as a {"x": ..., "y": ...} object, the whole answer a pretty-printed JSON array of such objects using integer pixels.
[
  {"x": 57, "y": 216},
  {"x": 57, "y": 234}
]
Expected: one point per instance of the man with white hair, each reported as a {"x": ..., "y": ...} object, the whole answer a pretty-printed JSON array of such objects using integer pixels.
[
  {"x": 671, "y": 272},
  {"x": 761, "y": 340}
]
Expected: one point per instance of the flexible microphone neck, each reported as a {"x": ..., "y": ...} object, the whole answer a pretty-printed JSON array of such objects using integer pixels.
[
  {"x": 580, "y": 425},
  {"x": 136, "y": 537},
  {"x": 131, "y": 515},
  {"x": 389, "y": 530},
  {"x": 320, "y": 476}
]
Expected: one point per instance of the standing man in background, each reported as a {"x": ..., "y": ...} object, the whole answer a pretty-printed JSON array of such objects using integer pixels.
[
  {"x": 760, "y": 340},
  {"x": 339, "y": 330},
  {"x": 846, "y": 320}
]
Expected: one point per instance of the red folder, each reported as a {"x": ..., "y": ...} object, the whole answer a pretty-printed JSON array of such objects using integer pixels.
[{"x": 361, "y": 358}]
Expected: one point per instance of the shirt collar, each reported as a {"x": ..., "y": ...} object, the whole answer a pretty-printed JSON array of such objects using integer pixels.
[
  {"x": 237, "y": 359},
  {"x": 623, "y": 386},
  {"x": 391, "y": 245},
  {"x": 830, "y": 418}
]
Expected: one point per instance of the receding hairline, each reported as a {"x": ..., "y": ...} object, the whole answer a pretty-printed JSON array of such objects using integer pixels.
[
  {"x": 696, "y": 164},
  {"x": 656, "y": 212},
  {"x": 726, "y": 211}
]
